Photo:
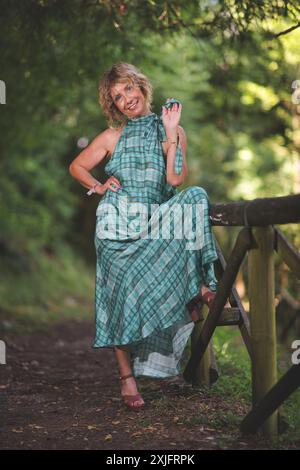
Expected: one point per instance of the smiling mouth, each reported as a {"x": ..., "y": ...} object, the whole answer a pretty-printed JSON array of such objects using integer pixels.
[{"x": 133, "y": 105}]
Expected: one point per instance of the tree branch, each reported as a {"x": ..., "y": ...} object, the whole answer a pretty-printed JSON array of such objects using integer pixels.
[{"x": 287, "y": 31}]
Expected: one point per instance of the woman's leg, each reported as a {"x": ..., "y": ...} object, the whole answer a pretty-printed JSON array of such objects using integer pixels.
[
  {"x": 128, "y": 386},
  {"x": 193, "y": 308}
]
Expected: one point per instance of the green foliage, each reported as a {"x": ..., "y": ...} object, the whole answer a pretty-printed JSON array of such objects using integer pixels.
[
  {"x": 231, "y": 67},
  {"x": 221, "y": 59},
  {"x": 50, "y": 290}
]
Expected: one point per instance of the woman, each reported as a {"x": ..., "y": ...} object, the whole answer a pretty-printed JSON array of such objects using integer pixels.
[{"x": 147, "y": 289}]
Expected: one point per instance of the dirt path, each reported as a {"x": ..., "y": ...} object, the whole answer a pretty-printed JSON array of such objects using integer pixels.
[{"x": 60, "y": 393}]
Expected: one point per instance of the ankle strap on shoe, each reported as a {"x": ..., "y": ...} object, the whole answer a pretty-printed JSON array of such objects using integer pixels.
[{"x": 126, "y": 376}]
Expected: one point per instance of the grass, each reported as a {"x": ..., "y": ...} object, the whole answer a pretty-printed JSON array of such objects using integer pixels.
[{"x": 235, "y": 384}]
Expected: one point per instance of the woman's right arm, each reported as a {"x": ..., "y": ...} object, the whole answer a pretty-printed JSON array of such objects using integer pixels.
[{"x": 90, "y": 157}]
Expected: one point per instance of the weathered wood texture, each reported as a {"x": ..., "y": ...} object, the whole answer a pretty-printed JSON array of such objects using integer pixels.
[
  {"x": 201, "y": 376},
  {"x": 257, "y": 212},
  {"x": 262, "y": 320}
]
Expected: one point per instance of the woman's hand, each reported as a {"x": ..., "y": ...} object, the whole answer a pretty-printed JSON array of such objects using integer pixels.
[
  {"x": 111, "y": 183},
  {"x": 171, "y": 117}
]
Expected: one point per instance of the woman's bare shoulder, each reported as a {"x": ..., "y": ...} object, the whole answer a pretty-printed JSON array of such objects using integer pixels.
[
  {"x": 108, "y": 134},
  {"x": 111, "y": 136}
]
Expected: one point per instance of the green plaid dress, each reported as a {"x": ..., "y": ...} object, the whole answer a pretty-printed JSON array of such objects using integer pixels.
[{"x": 143, "y": 284}]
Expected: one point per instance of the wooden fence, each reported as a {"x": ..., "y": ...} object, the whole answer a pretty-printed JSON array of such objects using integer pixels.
[{"x": 258, "y": 239}]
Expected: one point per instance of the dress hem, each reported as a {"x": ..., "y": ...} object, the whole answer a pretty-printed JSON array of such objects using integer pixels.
[{"x": 112, "y": 345}]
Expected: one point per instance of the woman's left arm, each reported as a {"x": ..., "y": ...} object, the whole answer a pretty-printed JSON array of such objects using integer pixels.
[
  {"x": 174, "y": 132},
  {"x": 182, "y": 142},
  {"x": 173, "y": 178}
]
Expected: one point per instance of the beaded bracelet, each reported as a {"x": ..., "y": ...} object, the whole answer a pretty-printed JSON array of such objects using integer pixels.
[{"x": 93, "y": 189}]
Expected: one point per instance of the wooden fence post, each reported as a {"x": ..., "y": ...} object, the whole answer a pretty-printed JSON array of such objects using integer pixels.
[
  {"x": 202, "y": 376},
  {"x": 262, "y": 320}
]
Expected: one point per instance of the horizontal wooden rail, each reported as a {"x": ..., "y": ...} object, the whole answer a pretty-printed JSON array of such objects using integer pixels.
[{"x": 257, "y": 212}]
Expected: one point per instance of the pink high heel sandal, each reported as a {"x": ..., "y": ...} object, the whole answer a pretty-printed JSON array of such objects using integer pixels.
[{"x": 129, "y": 400}]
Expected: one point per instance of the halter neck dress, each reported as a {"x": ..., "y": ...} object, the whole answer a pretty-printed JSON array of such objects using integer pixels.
[{"x": 143, "y": 285}]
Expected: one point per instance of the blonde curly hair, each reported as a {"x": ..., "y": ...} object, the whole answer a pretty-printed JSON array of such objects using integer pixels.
[{"x": 121, "y": 72}]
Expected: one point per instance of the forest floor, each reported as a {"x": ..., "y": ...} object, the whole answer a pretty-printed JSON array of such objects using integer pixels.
[{"x": 62, "y": 394}]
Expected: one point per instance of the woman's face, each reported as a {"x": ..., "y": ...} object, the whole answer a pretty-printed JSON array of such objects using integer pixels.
[{"x": 129, "y": 99}]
